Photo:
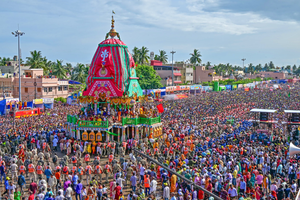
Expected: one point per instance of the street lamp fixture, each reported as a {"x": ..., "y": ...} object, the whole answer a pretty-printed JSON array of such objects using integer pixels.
[
  {"x": 19, "y": 33},
  {"x": 243, "y": 61},
  {"x": 172, "y": 52}
]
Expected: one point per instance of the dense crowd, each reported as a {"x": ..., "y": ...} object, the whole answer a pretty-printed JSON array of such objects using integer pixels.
[{"x": 210, "y": 139}]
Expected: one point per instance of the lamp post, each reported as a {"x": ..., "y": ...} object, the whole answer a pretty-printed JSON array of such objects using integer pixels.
[
  {"x": 243, "y": 61},
  {"x": 19, "y": 33},
  {"x": 172, "y": 52}
]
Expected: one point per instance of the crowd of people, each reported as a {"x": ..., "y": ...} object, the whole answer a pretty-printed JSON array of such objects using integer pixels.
[{"x": 210, "y": 139}]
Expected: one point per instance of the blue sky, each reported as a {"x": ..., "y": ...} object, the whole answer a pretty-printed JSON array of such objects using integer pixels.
[{"x": 225, "y": 31}]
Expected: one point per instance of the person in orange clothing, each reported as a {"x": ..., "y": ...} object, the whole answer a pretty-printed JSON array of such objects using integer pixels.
[
  {"x": 147, "y": 184},
  {"x": 192, "y": 147}
]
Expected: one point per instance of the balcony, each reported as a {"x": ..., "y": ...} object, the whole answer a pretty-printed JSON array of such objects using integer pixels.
[
  {"x": 94, "y": 124},
  {"x": 177, "y": 73},
  {"x": 136, "y": 121},
  {"x": 105, "y": 124}
]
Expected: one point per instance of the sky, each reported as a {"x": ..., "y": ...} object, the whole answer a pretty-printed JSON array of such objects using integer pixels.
[{"x": 224, "y": 31}]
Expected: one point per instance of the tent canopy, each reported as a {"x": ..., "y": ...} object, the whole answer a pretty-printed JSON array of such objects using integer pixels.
[
  {"x": 263, "y": 110},
  {"x": 292, "y": 111}
]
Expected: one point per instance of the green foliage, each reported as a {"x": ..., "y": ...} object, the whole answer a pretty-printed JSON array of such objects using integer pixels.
[
  {"x": 59, "y": 69},
  {"x": 140, "y": 56},
  {"x": 80, "y": 73},
  {"x": 61, "y": 99},
  {"x": 195, "y": 57},
  {"x": 36, "y": 61},
  {"x": 148, "y": 79},
  {"x": 162, "y": 57},
  {"x": 233, "y": 82},
  {"x": 3, "y": 61}
]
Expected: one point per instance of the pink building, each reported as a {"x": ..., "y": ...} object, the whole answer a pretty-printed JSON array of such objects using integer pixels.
[
  {"x": 205, "y": 75},
  {"x": 274, "y": 75},
  {"x": 165, "y": 73},
  {"x": 34, "y": 85}
]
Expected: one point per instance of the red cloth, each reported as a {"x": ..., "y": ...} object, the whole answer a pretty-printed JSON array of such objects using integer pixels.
[{"x": 160, "y": 108}]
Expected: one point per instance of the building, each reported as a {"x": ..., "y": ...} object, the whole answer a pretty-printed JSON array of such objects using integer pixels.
[
  {"x": 187, "y": 72},
  {"x": 11, "y": 67},
  {"x": 201, "y": 74},
  {"x": 274, "y": 75},
  {"x": 165, "y": 73},
  {"x": 34, "y": 85}
]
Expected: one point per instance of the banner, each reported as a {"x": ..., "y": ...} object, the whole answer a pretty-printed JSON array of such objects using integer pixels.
[
  {"x": 14, "y": 100},
  {"x": 48, "y": 100},
  {"x": 38, "y": 101}
]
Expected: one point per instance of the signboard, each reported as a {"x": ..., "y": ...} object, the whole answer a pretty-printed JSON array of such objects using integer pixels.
[
  {"x": 48, "y": 100},
  {"x": 38, "y": 101},
  {"x": 192, "y": 87},
  {"x": 14, "y": 100}
]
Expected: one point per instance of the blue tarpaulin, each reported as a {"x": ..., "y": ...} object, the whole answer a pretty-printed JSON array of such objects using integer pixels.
[
  {"x": 3, "y": 107},
  {"x": 74, "y": 82},
  {"x": 228, "y": 87}
]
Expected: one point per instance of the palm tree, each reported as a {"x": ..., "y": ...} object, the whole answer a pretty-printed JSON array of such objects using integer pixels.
[
  {"x": 258, "y": 67},
  {"x": 48, "y": 65},
  {"x": 144, "y": 55},
  {"x": 36, "y": 60},
  {"x": 136, "y": 55},
  {"x": 3, "y": 61},
  {"x": 294, "y": 67},
  {"x": 69, "y": 68},
  {"x": 195, "y": 57},
  {"x": 162, "y": 57},
  {"x": 156, "y": 57},
  {"x": 80, "y": 73},
  {"x": 59, "y": 70}
]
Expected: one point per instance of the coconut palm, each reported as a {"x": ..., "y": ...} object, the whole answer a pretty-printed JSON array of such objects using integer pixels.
[
  {"x": 144, "y": 55},
  {"x": 162, "y": 57},
  {"x": 59, "y": 70},
  {"x": 195, "y": 57},
  {"x": 136, "y": 55},
  {"x": 36, "y": 60},
  {"x": 3, "y": 61},
  {"x": 69, "y": 68},
  {"x": 79, "y": 73}
]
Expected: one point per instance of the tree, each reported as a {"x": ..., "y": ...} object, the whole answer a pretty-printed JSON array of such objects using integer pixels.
[
  {"x": 271, "y": 65},
  {"x": 258, "y": 67},
  {"x": 266, "y": 67},
  {"x": 195, "y": 57},
  {"x": 156, "y": 57},
  {"x": 288, "y": 67},
  {"x": 294, "y": 67},
  {"x": 69, "y": 68},
  {"x": 36, "y": 60},
  {"x": 80, "y": 72},
  {"x": 59, "y": 70},
  {"x": 136, "y": 55},
  {"x": 162, "y": 57},
  {"x": 144, "y": 55},
  {"x": 3, "y": 61},
  {"x": 148, "y": 79}
]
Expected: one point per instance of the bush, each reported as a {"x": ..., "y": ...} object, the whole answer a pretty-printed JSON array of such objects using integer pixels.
[{"x": 61, "y": 99}]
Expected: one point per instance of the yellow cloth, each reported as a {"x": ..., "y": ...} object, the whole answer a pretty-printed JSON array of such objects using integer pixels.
[
  {"x": 173, "y": 183},
  {"x": 89, "y": 149},
  {"x": 234, "y": 174}
]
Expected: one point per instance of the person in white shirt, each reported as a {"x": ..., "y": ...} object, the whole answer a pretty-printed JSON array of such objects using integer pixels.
[
  {"x": 59, "y": 196},
  {"x": 153, "y": 185},
  {"x": 69, "y": 192}
]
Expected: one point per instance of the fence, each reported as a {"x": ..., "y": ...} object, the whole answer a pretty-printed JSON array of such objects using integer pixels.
[{"x": 180, "y": 176}]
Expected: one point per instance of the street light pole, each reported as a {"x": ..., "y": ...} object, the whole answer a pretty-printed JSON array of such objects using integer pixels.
[
  {"x": 243, "y": 61},
  {"x": 19, "y": 33},
  {"x": 172, "y": 52}
]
